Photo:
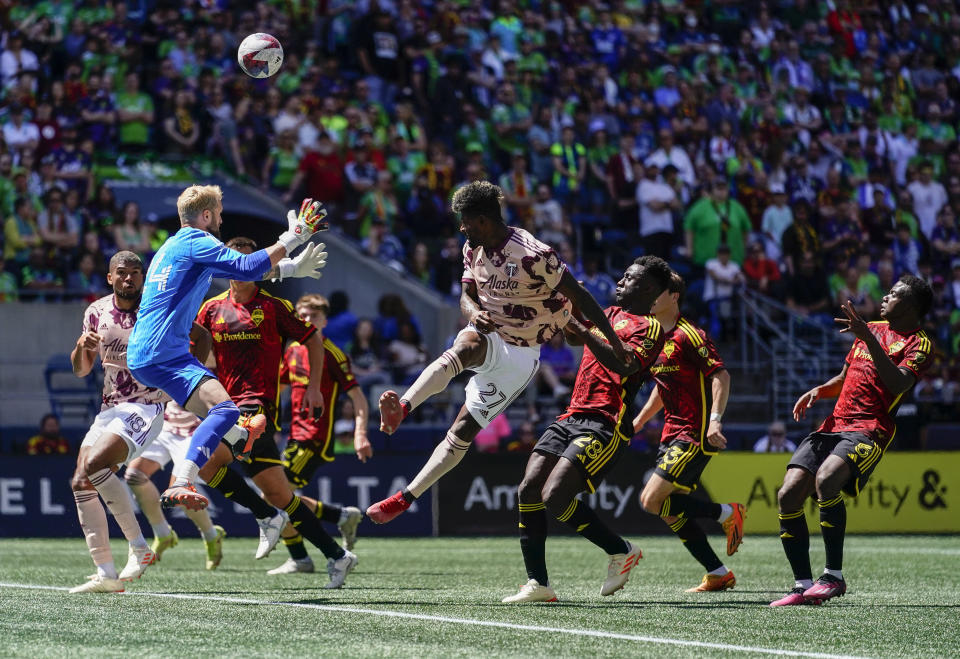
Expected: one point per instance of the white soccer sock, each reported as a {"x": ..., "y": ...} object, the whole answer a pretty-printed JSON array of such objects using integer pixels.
[
  {"x": 201, "y": 519},
  {"x": 235, "y": 434},
  {"x": 108, "y": 569},
  {"x": 720, "y": 571},
  {"x": 93, "y": 521},
  {"x": 434, "y": 378},
  {"x": 445, "y": 457},
  {"x": 725, "y": 511},
  {"x": 834, "y": 573},
  {"x": 185, "y": 473},
  {"x": 117, "y": 497},
  {"x": 148, "y": 498},
  {"x": 803, "y": 583},
  {"x": 343, "y": 516}
]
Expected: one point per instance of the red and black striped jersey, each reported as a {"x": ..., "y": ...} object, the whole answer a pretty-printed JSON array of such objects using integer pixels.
[
  {"x": 865, "y": 404},
  {"x": 597, "y": 389},
  {"x": 337, "y": 378},
  {"x": 686, "y": 362},
  {"x": 248, "y": 341}
]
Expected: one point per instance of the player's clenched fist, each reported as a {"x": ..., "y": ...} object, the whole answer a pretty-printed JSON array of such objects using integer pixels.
[{"x": 89, "y": 341}]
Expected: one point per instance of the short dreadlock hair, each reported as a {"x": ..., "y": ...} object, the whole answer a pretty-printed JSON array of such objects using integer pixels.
[{"x": 478, "y": 198}]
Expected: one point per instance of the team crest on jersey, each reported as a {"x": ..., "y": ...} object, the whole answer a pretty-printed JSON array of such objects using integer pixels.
[
  {"x": 646, "y": 344},
  {"x": 919, "y": 357},
  {"x": 703, "y": 352},
  {"x": 896, "y": 346},
  {"x": 511, "y": 269},
  {"x": 257, "y": 316},
  {"x": 621, "y": 324},
  {"x": 668, "y": 348}
]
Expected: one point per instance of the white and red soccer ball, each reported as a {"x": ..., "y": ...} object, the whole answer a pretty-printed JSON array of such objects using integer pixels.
[{"x": 260, "y": 55}]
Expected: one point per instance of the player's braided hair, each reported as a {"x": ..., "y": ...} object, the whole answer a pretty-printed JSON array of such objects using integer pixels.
[
  {"x": 920, "y": 293},
  {"x": 478, "y": 198},
  {"x": 656, "y": 268},
  {"x": 125, "y": 258}
]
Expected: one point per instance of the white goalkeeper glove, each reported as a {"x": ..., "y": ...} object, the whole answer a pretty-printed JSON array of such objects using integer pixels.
[
  {"x": 308, "y": 263},
  {"x": 303, "y": 225}
]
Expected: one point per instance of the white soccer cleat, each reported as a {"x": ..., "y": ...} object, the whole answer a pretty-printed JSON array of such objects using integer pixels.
[
  {"x": 292, "y": 566},
  {"x": 137, "y": 562},
  {"x": 99, "y": 584},
  {"x": 270, "y": 530},
  {"x": 348, "y": 530},
  {"x": 340, "y": 568},
  {"x": 532, "y": 591},
  {"x": 618, "y": 570}
]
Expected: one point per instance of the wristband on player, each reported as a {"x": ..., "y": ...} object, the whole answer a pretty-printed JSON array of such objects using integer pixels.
[{"x": 715, "y": 417}]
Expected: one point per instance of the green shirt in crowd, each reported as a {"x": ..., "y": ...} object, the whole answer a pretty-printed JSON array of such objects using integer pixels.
[{"x": 712, "y": 223}]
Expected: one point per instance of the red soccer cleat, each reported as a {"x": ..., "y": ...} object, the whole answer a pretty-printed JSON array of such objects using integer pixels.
[
  {"x": 384, "y": 511},
  {"x": 391, "y": 412},
  {"x": 255, "y": 425},
  {"x": 826, "y": 587},
  {"x": 795, "y": 598},
  {"x": 183, "y": 495},
  {"x": 733, "y": 527}
]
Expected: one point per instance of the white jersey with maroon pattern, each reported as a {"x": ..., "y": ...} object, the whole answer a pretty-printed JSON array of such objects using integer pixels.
[
  {"x": 177, "y": 421},
  {"x": 114, "y": 326},
  {"x": 516, "y": 285}
]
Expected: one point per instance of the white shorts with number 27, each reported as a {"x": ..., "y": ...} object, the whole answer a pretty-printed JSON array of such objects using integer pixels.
[{"x": 504, "y": 374}]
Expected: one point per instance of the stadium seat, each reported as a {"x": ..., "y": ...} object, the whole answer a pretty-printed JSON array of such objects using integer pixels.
[{"x": 70, "y": 397}]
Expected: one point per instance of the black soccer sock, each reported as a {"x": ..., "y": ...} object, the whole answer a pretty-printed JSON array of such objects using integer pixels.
[
  {"x": 582, "y": 519},
  {"x": 295, "y": 546},
  {"x": 231, "y": 485},
  {"x": 833, "y": 528},
  {"x": 328, "y": 512},
  {"x": 533, "y": 540},
  {"x": 308, "y": 525},
  {"x": 408, "y": 496},
  {"x": 684, "y": 505},
  {"x": 796, "y": 543},
  {"x": 695, "y": 540}
]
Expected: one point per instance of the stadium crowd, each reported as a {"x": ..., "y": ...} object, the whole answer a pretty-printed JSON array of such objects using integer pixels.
[{"x": 807, "y": 150}]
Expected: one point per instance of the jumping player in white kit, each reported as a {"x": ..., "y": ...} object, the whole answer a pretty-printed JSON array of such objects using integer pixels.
[{"x": 130, "y": 418}]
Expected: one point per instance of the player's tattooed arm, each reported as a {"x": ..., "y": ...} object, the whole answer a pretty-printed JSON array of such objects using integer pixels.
[
  {"x": 470, "y": 308},
  {"x": 583, "y": 301},
  {"x": 650, "y": 409}
]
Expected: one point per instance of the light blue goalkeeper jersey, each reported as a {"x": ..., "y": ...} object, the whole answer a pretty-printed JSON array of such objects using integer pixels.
[{"x": 176, "y": 282}]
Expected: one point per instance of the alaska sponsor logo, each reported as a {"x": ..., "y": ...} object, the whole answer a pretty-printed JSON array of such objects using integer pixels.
[
  {"x": 236, "y": 336},
  {"x": 497, "y": 284}
]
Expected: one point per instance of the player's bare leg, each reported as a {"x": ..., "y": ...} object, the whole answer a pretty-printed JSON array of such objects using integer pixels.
[
  {"x": 470, "y": 349},
  {"x": 99, "y": 464},
  {"x": 137, "y": 476},
  {"x": 559, "y": 494},
  {"x": 445, "y": 457},
  {"x": 533, "y": 530},
  {"x": 96, "y": 532}
]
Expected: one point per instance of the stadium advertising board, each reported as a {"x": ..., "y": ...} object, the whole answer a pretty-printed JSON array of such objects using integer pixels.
[
  {"x": 36, "y": 501},
  {"x": 907, "y": 493}
]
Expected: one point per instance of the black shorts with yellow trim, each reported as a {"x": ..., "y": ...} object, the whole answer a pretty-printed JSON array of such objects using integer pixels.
[
  {"x": 590, "y": 442},
  {"x": 265, "y": 453},
  {"x": 857, "y": 449},
  {"x": 682, "y": 461},
  {"x": 301, "y": 461}
]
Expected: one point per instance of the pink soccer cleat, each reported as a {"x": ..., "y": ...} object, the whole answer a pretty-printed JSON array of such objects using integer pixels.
[
  {"x": 826, "y": 587},
  {"x": 795, "y": 598},
  {"x": 183, "y": 495},
  {"x": 384, "y": 511},
  {"x": 391, "y": 412}
]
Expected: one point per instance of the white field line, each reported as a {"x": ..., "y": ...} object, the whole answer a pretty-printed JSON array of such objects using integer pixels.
[{"x": 476, "y": 623}]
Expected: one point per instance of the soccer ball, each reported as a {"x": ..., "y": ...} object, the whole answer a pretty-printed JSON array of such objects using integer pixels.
[{"x": 260, "y": 55}]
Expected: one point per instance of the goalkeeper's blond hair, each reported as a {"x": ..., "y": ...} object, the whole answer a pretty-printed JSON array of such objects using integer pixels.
[{"x": 196, "y": 199}]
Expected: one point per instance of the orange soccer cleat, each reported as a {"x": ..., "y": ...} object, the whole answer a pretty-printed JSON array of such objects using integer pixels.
[
  {"x": 712, "y": 583},
  {"x": 733, "y": 527}
]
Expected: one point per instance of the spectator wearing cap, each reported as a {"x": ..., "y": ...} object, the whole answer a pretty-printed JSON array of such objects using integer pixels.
[
  {"x": 929, "y": 196},
  {"x": 776, "y": 219},
  {"x": 18, "y": 133},
  {"x": 669, "y": 153},
  {"x": 656, "y": 201},
  {"x": 714, "y": 220},
  {"x": 775, "y": 441}
]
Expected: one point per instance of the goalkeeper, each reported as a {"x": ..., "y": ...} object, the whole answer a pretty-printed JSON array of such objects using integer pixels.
[{"x": 158, "y": 354}]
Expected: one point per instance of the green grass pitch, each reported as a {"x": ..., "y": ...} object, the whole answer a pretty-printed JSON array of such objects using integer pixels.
[{"x": 440, "y": 597}]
